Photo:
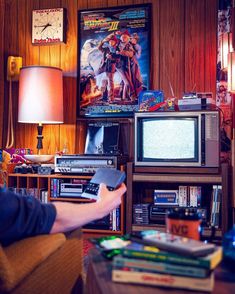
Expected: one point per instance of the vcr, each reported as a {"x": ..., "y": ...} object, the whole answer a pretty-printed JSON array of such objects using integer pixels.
[{"x": 83, "y": 164}]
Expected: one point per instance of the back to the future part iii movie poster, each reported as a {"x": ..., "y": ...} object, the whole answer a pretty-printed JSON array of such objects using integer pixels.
[{"x": 114, "y": 56}]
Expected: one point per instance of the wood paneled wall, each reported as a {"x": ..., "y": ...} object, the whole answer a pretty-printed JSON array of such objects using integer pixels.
[
  {"x": 184, "y": 34},
  {"x": 2, "y": 5}
]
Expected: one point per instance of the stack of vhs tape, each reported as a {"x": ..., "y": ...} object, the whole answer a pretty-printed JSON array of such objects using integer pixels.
[{"x": 141, "y": 214}]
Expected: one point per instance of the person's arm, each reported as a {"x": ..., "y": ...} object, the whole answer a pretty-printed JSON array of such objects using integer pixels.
[{"x": 70, "y": 216}]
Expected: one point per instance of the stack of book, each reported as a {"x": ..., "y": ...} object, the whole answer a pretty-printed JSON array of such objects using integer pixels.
[{"x": 141, "y": 264}]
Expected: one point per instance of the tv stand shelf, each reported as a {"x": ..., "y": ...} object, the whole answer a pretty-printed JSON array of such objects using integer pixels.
[
  {"x": 140, "y": 178},
  {"x": 177, "y": 170},
  {"x": 177, "y": 178}
]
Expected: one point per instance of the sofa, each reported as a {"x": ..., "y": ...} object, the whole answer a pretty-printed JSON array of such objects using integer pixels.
[{"x": 43, "y": 264}]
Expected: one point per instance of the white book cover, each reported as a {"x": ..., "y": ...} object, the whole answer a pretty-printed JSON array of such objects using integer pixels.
[{"x": 164, "y": 280}]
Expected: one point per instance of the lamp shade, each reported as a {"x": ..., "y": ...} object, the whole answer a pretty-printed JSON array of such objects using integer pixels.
[{"x": 40, "y": 95}]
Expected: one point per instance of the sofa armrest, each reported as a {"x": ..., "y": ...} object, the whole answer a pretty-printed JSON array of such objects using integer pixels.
[
  {"x": 19, "y": 259},
  {"x": 77, "y": 233}
]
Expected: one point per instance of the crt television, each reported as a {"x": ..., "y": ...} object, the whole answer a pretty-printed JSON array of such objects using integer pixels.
[{"x": 186, "y": 138}]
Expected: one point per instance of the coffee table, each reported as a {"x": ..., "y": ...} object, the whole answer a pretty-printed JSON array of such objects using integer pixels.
[{"x": 99, "y": 280}]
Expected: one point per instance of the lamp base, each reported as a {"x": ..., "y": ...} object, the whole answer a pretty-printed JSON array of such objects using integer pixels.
[{"x": 39, "y": 137}]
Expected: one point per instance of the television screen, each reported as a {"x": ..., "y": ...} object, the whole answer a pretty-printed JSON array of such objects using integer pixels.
[{"x": 167, "y": 139}]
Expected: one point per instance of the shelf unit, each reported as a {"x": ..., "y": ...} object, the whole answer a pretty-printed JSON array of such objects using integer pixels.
[
  {"x": 144, "y": 178},
  {"x": 44, "y": 182}
]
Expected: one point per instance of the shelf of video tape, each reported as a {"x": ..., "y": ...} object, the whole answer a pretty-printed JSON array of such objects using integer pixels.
[
  {"x": 151, "y": 196},
  {"x": 68, "y": 188},
  {"x": 49, "y": 187}
]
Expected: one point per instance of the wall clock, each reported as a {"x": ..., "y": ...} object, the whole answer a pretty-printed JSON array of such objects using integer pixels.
[{"x": 48, "y": 26}]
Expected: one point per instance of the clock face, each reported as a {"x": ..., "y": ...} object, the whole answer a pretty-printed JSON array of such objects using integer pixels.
[{"x": 48, "y": 26}]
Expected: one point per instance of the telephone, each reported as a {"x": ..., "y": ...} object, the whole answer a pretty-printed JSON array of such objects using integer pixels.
[{"x": 14, "y": 65}]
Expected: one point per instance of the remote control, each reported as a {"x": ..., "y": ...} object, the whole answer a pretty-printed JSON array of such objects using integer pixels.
[
  {"x": 173, "y": 243},
  {"x": 111, "y": 177}
]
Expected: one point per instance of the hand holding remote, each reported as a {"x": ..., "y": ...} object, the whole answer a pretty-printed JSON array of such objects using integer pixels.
[
  {"x": 109, "y": 200},
  {"x": 111, "y": 177}
]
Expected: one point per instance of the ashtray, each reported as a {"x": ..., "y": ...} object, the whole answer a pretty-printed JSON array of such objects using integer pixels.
[{"x": 38, "y": 158}]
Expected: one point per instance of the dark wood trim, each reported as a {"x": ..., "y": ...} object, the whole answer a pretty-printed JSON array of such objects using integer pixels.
[
  {"x": 178, "y": 170},
  {"x": 2, "y": 75}
]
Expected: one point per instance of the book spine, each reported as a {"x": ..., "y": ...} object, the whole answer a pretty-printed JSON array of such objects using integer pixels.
[
  {"x": 213, "y": 206},
  {"x": 54, "y": 188},
  {"x": 114, "y": 220},
  {"x": 159, "y": 267},
  {"x": 183, "y": 196},
  {"x": 46, "y": 197},
  {"x": 42, "y": 196},
  {"x": 171, "y": 281},
  {"x": 217, "y": 207},
  {"x": 193, "y": 196},
  {"x": 167, "y": 257},
  {"x": 57, "y": 188},
  {"x": 118, "y": 218}
]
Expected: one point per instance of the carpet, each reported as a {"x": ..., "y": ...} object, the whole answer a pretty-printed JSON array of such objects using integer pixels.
[{"x": 87, "y": 245}]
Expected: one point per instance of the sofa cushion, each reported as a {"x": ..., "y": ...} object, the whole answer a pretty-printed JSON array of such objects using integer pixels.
[{"x": 20, "y": 258}]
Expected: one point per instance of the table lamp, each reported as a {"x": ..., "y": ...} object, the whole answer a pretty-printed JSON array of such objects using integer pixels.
[{"x": 40, "y": 97}]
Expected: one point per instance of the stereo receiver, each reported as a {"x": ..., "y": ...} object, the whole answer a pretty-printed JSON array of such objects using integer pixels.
[{"x": 84, "y": 164}]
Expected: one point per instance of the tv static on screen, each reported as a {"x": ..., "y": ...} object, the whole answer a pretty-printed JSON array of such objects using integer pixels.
[{"x": 169, "y": 139}]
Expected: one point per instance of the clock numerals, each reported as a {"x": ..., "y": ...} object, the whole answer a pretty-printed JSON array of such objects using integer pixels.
[{"x": 48, "y": 26}]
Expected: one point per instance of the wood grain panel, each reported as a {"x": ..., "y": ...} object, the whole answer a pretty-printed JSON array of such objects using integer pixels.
[
  {"x": 20, "y": 134},
  {"x": 182, "y": 51},
  {"x": 155, "y": 46},
  {"x": 10, "y": 48},
  {"x": 83, "y": 4},
  {"x": 26, "y": 133},
  {"x": 171, "y": 47},
  {"x": 69, "y": 67},
  {"x": 195, "y": 45},
  {"x": 50, "y": 55},
  {"x": 97, "y": 3},
  {"x": 55, "y": 50},
  {"x": 31, "y": 51},
  {"x": 210, "y": 46},
  {"x": 112, "y": 3},
  {"x": 125, "y": 2},
  {"x": 80, "y": 129},
  {"x": 2, "y": 10}
]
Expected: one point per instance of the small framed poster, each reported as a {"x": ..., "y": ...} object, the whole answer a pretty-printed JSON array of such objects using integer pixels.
[{"x": 113, "y": 59}]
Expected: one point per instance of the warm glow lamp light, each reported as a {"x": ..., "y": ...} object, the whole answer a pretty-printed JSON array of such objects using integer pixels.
[
  {"x": 225, "y": 48},
  {"x": 231, "y": 89},
  {"x": 40, "y": 97},
  {"x": 231, "y": 72}
]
